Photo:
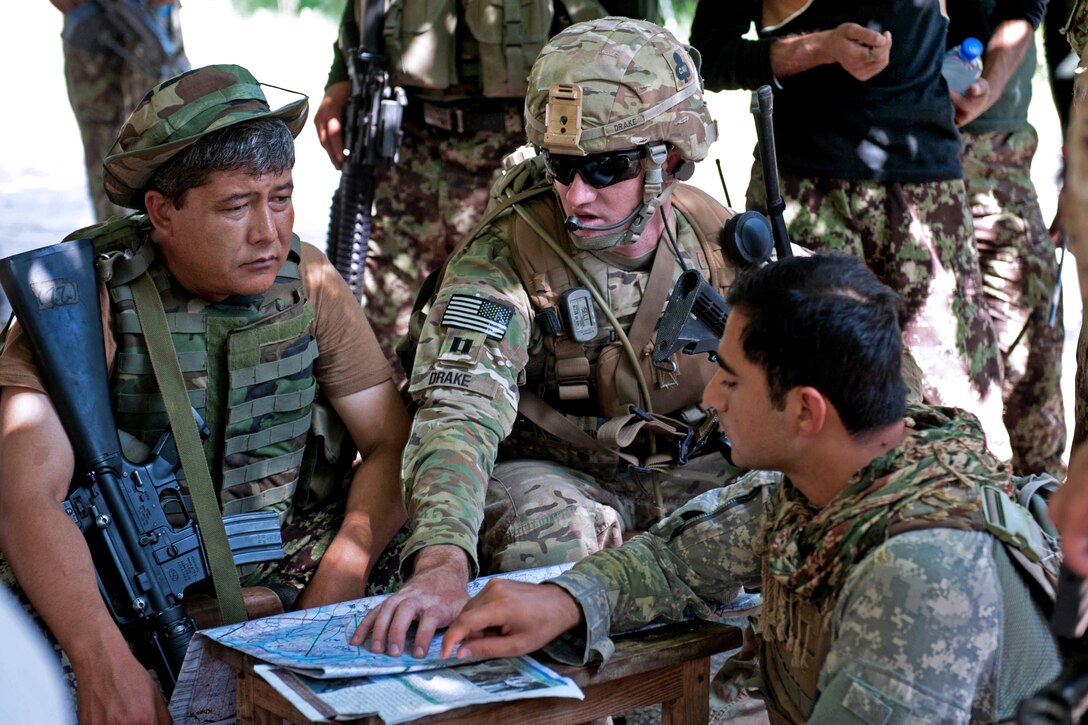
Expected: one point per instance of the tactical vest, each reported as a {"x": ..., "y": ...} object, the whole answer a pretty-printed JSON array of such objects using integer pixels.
[
  {"x": 594, "y": 383},
  {"x": 436, "y": 44},
  {"x": 791, "y": 667},
  {"x": 248, "y": 366}
]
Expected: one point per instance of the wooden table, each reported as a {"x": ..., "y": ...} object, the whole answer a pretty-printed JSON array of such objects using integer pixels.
[{"x": 668, "y": 665}]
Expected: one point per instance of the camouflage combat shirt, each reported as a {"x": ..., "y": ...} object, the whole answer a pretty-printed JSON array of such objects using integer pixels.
[
  {"x": 918, "y": 629},
  {"x": 478, "y": 345}
]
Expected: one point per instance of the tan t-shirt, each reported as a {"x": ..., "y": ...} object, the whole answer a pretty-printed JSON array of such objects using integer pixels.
[{"x": 349, "y": 357}]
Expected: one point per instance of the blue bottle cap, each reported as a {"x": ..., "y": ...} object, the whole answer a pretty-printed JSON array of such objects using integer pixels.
[{"x": 970, "y": 49}]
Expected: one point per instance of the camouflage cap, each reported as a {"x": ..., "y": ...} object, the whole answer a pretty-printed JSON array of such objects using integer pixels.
[
  {"x": 176, "y": 113},
  {"x": 614, "y": 84}
]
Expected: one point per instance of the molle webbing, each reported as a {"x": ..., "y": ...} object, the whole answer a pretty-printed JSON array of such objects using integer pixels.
[{"x": 248, "y": 370}]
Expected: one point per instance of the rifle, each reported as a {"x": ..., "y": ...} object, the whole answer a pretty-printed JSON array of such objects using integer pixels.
[
  {"x": 372, "y": 136},
  {"x": 150, "y": 44},
  {"x": 695, "y": 314},
  {"x": 146, "y": 548}
]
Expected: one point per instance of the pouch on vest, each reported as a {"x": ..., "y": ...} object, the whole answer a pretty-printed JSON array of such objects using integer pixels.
[
  {"x": 617, "y": 387},
  {"x": 420, "y": 43},
  {"x": 326, "y": 464},
  {"x": 510, "y": 34}
]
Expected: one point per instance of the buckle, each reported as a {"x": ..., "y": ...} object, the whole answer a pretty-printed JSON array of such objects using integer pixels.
[{"x": 445, "y": 118}]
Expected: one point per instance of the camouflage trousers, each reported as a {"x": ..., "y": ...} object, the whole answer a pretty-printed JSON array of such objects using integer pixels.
[
  {"x": 916, "y": 238},
  {"x": 423, "y": 207},
  {"x": 539, "y": 513},
  {"x": 1019, "y": 273},
  {"x": 102, "y": 90},
  {"x": 305, "y": 539},
  {"x": 1074, "y": 206}
]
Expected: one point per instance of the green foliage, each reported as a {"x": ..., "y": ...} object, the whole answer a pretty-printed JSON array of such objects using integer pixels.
[{"x": 331, "y": 8}]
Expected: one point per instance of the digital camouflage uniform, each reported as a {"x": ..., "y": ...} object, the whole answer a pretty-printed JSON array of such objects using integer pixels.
[
  {"x": 103, "y": 88},
  {"x": 545, "y": 491},
  {"x": 933, "y": 625},
  {"x": 455, "y": 136},
  {"x": 1019, "y": 269}
]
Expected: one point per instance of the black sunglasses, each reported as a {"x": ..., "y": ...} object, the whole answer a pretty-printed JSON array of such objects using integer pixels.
[{"x": 597, "y": 170}]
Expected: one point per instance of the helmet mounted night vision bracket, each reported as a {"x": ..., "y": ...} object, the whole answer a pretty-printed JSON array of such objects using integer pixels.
[{"x": 563, "y": 119}]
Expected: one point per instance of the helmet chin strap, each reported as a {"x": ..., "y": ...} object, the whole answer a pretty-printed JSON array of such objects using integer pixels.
[{"x": 654, "y": 195}]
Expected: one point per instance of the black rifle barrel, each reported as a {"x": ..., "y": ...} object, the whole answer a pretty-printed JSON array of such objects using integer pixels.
[{"x": 763, "y": 108}]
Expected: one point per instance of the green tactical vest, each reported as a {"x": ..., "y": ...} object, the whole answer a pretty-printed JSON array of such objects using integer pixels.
[
  {"x": 436, "y": 44},
  {"x": 791, "y": 667},
  {"x": 248, "y": 365}
]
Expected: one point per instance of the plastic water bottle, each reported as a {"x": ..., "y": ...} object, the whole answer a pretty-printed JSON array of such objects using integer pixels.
[{"x": 963, "y": 65}]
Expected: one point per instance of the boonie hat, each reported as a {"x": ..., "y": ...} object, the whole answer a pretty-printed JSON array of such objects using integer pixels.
[{"x": 179, "y": 111}]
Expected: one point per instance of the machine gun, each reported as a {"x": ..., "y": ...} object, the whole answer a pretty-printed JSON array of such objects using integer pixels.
[
  {"x": 695, "y": 314},
  {"x": 372, "y": 136},
  {"x": 145, "y": 546},
  {"x": 150, "y": 44}
]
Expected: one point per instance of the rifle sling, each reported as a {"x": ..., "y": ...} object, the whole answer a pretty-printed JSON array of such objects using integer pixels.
[{"x": 164, "y": 361}]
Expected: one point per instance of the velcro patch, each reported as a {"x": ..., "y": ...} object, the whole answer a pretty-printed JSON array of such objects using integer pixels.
[
  {"x": 478, "y": 314},
  {"x": 461, "y": 348},
  {"x": 441, "y": 377}
]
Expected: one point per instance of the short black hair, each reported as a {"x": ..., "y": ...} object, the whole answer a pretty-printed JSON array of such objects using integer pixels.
[
  {"x": 827, "y": 322},
  {"x": 261, "y": 146}
]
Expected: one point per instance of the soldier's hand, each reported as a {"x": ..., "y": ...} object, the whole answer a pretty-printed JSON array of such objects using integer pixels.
[
  {"x": 861, "y": 52},
  {"x": 432, "y": 597},
  {"x": 510, "y": 618},
  {"x": 1068, "y": 509},
  {"x": 329, "y": 120},
  {"x": 976, "y": 99},
  {"x": 118, "y": 689}
]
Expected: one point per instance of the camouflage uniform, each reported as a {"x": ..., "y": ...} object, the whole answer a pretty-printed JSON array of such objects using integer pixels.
[
  {"x": 871, "y": 167},
  {"x": 103, "y": 88},
  {"x": 1016, "y": 256},
  {"x": 917, "y": 239},
  {"x": 454, "y": 142},
  {"x": 250, "y": 365},
  {"x": 560, "y": 506},
  {"x": 915, "y": 627},
  {"x": 567, "y": 485}
]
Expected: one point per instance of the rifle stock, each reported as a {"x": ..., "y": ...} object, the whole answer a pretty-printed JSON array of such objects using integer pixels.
[{"x": 145, "y": 546}]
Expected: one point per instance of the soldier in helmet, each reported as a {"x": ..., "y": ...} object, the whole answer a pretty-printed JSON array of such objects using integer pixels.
[
  {"x": 273, "y": 350},
  {"x": 543, "y": 431},
  {"x": 898, "y": 575}
]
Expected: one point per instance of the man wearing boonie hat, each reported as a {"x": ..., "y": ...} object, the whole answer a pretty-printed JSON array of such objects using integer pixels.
[{"x": 268, "y": 337}]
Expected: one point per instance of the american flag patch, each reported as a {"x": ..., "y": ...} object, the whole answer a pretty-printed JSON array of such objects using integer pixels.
[{"x": 478, "y": 314}]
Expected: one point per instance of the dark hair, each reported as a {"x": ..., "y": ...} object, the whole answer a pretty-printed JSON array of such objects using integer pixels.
[
  {"x": 262, "y": 146},
  {"x": 825, "y": 321}
]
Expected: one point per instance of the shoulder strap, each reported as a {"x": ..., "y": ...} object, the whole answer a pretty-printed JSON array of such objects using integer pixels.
[
  {"x": 168, "y": 375},
  {"x": 707, "y": 217}
]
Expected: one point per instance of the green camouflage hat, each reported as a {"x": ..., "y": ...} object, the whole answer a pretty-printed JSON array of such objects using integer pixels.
[
  {"x": 176, "y": 113},
  {"x": 614, "y": 84}
]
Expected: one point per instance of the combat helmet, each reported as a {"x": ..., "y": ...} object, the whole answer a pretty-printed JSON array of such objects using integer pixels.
[{"x": 617, "y": 84}]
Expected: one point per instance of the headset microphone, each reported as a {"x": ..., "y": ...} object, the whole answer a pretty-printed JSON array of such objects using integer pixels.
[{"x": 573, "y": 225}]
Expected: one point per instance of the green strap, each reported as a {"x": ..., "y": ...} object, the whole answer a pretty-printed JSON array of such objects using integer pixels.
[{"x": 164, "y": 360}]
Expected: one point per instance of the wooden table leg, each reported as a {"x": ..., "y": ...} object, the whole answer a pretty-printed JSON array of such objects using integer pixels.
[
  {"x": 249, "y": 712},
  {"x": 694, "y": 705}
]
